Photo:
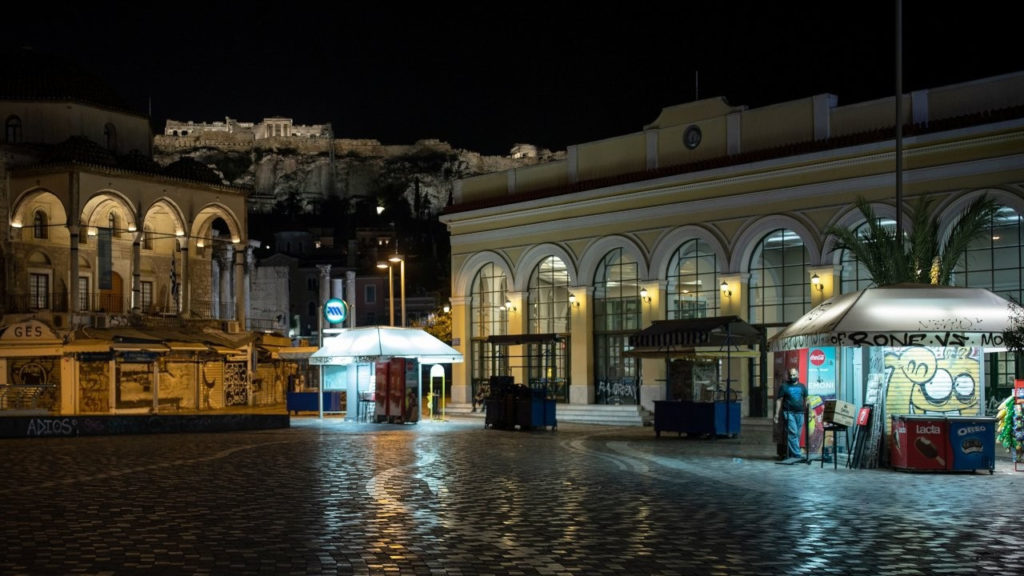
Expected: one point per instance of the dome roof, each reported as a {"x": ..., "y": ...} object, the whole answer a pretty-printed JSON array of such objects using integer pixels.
[
  {"x": 30, "y": 74},
  {"x": 80, "y": 149}
]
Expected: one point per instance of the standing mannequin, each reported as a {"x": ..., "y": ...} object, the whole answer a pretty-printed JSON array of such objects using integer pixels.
[{"x": 791, "y": 404}]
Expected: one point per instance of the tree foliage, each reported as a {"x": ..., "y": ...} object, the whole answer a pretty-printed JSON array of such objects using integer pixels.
[
  {"x": 438, "y": 324},
  {"x": 920, "y": 258}
]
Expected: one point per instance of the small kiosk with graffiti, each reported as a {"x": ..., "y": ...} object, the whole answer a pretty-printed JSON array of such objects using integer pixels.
[{"x": 903, "y": 351}]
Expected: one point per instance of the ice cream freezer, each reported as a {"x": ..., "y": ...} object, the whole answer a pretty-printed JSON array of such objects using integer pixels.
[{"x": 943, "y": 443}]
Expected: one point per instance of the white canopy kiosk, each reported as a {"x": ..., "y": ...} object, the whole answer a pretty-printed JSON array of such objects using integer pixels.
[{"x": 348, "y": 348}]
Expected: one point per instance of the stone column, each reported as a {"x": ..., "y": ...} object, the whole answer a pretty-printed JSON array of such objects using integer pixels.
[
  {"x": 73, "y": 288},
  {"x": 186, "y": 283},
  {"x": 136, "y": 303},
  {"x": 240, "y": 284}
]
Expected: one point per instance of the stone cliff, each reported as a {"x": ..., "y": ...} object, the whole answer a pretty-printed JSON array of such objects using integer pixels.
[{"x": 305, "y": 171}]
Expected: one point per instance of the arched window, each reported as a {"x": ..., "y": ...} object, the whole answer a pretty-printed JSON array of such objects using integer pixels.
[
  {"x": 40, "y": 225},
  {"x": 548, "y": 313},
  {"x": 853, "y": 275},
  {"x": 996, "y": 262},
  {"x": 780, "y": 289},
  {"x": 110, "y": 133},
  {"x": 692, "y": 290},
  {"x": 548, "y": 298},
  {"x": 488, "y": 316},
  {"x": 617, "y": 308},
  {"x": 12, "y": 130}
]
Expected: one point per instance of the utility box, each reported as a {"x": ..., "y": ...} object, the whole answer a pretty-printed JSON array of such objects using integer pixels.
[{"x": 839, "y": 412}]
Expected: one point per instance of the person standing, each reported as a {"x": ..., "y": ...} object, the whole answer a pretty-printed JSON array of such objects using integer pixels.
[{"x": 791, "y": 404}]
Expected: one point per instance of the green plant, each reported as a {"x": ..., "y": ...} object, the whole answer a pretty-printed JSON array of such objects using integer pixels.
[{"x": 920, "y": 258}]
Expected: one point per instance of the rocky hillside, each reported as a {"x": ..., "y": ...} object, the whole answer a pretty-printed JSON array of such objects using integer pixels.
[{"x": 305, "y": 173}]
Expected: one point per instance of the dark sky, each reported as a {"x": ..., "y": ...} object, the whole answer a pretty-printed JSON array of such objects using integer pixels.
[{"x": 485, "y": 76}]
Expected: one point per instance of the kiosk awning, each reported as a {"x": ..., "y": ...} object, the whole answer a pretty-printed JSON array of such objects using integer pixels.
[
  {"x": 372, "y": 343},
  {"x": 903, "y": 315},
  {"x": 717, "y": 336}
]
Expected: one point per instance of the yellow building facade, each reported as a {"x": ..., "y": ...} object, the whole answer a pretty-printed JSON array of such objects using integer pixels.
[{"x": 713, "y": 210}]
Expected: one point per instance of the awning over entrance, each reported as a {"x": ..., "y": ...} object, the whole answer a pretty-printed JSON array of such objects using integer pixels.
[
  {"x": 373, "y": 343},
  {"x": 129, "y": 340},
  {"x": 517, "y": 339},
  {"x": 903, "y": 315},
  {"x": 718, "y": 336}
]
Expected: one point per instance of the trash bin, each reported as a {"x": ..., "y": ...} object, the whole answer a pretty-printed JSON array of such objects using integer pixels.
[
  {"x": 542, "y": 409},
  {"x": 500, "y": 404},
  {"x": 972, "y": 443}
]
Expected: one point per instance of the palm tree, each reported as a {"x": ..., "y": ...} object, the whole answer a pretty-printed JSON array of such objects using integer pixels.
[{"x": 921, "y": 260}]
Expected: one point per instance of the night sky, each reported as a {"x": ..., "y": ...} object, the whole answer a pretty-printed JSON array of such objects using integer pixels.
[{"x": 485, "y": 76}]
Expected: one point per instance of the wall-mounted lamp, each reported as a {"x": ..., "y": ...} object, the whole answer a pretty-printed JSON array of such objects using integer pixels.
[
  {"x": 573, "y": 302},
  {"x": 645, "y": 296},
  {"x": 509, "y": 306},
  {"x": 447, "y": 308},
  {"x": 725, "y": 288},
  {"x": 816, "y": 283}
]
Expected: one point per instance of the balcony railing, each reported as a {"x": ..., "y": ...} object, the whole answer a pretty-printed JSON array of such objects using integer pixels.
[
  {"x": 57, "y": 302},
  {"x": 52, "y": 301}
]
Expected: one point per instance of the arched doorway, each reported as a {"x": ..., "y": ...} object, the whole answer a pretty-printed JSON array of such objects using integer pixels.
[{"x": 112, "y": 300}]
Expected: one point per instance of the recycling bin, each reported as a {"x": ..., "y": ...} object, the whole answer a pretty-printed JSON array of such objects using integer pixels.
[{"x": 972, "y": 443}]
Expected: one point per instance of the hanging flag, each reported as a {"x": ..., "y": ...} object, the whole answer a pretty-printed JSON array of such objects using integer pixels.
[{"x": 105, "y": 258}]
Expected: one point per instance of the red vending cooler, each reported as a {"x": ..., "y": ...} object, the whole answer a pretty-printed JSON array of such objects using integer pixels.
[
  {"x": 919, "y": 443},
  {"x": 381, "y": 407},
  {"x": 397, "y": 391}
]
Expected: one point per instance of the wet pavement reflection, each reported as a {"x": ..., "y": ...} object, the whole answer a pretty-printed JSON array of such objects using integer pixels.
[{"x": 333, "y": 497}]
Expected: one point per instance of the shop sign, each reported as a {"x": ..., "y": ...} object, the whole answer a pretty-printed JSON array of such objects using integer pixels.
[
  {"x": 30, "y": 330},
  {"x": 138, "y": 357},
  {"x": 335, "y": 311},
  {"x": 895, "y": 339},
  {"x": 95, "y": 357}
]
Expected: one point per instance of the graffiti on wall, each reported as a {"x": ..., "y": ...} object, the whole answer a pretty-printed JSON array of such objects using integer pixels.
[
  {"x": 94, "y": 387},
  {"x": 38, "y": 371},
  {"x": 236, "y": 390},
  {"x": 939, "y": 381}
]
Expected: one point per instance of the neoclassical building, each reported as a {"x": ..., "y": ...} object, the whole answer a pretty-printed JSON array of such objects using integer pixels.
[
  {"x": 125, "y": 284},
  {"x": 716, "y": 210}
]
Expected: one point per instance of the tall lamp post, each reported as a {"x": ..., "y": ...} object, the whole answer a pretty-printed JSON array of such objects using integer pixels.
[
  {"x": 398, "y": 259},
  {"x": 391, "y": 291}
]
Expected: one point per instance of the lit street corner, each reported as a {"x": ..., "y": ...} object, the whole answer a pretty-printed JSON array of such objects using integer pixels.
[{"x": 327, "y": 496}]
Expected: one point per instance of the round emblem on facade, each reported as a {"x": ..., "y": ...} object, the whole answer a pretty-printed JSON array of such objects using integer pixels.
[
  {"x": 335, "y": 311},
  {"x": 691, "y": 137}
]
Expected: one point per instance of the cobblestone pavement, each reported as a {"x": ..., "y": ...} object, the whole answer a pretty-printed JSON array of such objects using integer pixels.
[{"x": 439, "y": 498}]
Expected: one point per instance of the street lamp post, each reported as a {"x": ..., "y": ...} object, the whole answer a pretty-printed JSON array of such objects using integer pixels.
[
  {"x": 401, "y": 261},
  {"x": 391, "y": 292}
]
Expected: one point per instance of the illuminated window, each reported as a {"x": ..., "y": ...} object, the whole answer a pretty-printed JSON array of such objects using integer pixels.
[{"x": 39, "y": 225}]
